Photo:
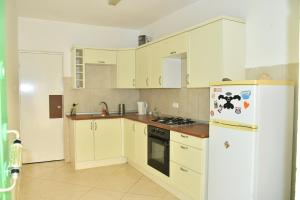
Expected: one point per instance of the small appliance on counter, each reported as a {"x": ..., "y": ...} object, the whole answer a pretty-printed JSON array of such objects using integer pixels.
[
  {"x": 122, "y": 109},
  {"x": 142, "y": 107}
]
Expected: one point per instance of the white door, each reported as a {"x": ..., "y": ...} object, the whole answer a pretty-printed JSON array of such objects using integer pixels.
[
  {"x": 231, "y": 164},
  {"x": 41, "y": 75}
]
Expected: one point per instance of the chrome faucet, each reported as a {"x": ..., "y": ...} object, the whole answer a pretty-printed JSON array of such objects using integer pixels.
[{"x": 105, "y": 110}]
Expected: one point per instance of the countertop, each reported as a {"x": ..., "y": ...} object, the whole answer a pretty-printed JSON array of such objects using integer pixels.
[{"x": 197, "y": 130}]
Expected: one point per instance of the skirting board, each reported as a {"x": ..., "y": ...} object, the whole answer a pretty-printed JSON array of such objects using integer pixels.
[
  {"x": 100, "y": 163},
  {"x": 160, "y": 181}
]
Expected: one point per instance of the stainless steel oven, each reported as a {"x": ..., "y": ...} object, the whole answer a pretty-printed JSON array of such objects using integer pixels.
[{"x": 159, "y": 149}]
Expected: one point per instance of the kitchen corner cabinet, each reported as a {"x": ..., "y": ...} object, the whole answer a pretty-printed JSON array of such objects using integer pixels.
[
  {"x": 126, "y": 68},
  {"x": 78, "y": 68},
  {"x": 96, "y": 142},
  {"x": 216, "y": 51},
  {"x": 100, "y": 56}
]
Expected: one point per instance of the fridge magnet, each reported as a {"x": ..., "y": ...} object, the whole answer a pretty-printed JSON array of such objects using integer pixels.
[
  {"x": 216, "y": 104},
  {"x": 246, "y": 94},
  {"x": 212, "y": 113},
  {"x": 238, "y": 110},
  {"x": 246, "y": 104},
  {"x": 213, "y": 95},
  {"x": 228, "y": 98},
  {"x": 217, "y": 89},
  {"x": 220, "y": 109}
]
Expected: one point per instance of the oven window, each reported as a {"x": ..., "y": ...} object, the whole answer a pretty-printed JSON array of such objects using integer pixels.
[{"x": 158, "y": 151}]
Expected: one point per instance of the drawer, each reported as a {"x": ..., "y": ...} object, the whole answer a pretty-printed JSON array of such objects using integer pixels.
[
  {"x": 186, "y": 156},
  {"x": 187, "y": 140},
  {"x": 99, "y": 56},
  {"x": 187, "y": 181}
]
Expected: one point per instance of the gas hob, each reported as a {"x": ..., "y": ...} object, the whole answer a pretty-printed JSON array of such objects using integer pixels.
[{"x": 174, "y": 121}]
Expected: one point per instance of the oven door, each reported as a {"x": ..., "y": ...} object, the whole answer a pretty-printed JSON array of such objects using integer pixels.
[{"x": 159, "y": 154}]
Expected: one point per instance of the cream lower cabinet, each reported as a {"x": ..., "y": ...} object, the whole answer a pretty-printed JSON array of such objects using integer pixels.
[
  {"x": 216, "y": 51},
  {"x": 140, "y": 144},
  {"x": 96, "y": 142},
  {"x": 188, "y": 166},
  {"x": 129, "y": 135}
]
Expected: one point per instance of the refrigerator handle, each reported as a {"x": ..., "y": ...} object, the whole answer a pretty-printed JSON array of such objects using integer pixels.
[{"x": 15, "y": 161}]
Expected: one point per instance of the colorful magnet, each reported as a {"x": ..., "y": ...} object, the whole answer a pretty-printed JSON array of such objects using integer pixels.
[
  {"x": 246, "y": 94},
  {"x": 238, "y": 110},
  {"x": 212, "y": 113},
  {"x": 216, "y": 104},
  {"x": 220, "y": 109},
  {"x": 217, "y": 89},
  {"x": 246, "y": 104}
]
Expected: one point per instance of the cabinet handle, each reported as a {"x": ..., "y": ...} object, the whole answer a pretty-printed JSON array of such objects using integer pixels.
[
  {"x": 184, "y": 170},
  {"x": 95, "y": 126},
  {"x": 147, "y": 81},
  {"x": 159, "y": 80},
  {"x": 91, "y": 125},
  {"x": 145, "y": 129},
  {"x": 172, "y": 52},
  {"x": 188, "y": 79},
  {"x": 101, "y": 62},
  {"x": 183, "y": 147},
  {"x": 133, "y": 127},
  {"x": 133, "y": 82},
  {"x": 184, "y": 136}
]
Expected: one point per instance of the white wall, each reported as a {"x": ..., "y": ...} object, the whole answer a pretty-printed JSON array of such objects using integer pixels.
[
  {"x": 44, "y": 35},
  {"x": 194, "y": 14},
  {"x": 272, "y": 32}
]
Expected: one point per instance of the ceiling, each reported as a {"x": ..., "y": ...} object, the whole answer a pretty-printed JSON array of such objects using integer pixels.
[{"x": 133, "y": 14}]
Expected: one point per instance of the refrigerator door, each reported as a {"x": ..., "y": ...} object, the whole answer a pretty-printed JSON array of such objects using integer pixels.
[
  {"x": 234, "y": 104},
  {"x": 231, "y": 163}
]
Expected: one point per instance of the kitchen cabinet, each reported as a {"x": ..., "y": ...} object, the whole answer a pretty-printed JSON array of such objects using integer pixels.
[
  {"x": 216, "y": 51},
  {"x": 100, "y": 56},
  {"x": 143, "y": 67},
  {"x": 188, "y": 164},
  {"x": 108, "y": 138},
  {"x": 129, "y": 135},
  {"x": 78, "y": 68},
  {"x": 84, "y": 140},
  {"x": 140, "y": 144},
  {"x": 174, "y": 45},
  {"x": 126, "y": 68},
  {"x": 96, "y": 143}
]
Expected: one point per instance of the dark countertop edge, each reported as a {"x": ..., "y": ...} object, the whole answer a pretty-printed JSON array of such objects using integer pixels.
[{"x": 196, "y": 130}]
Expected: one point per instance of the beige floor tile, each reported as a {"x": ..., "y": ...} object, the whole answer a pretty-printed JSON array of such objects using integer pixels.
[
  {"x": 139, "y": 197},
  {"x": 99, "y": 194},
  {"x": 147, "y": 187},
  {"x": 170, "y": 197}
]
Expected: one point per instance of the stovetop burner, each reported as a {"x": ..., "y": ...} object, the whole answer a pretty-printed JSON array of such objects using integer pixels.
[{"x": 174, "y": 121}]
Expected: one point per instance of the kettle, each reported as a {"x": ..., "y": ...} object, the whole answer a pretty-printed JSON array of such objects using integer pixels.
[{"x": 142, "y": 107}]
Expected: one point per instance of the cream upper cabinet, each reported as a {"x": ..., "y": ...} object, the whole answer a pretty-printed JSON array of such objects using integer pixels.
[
  {"x": 100, "y": 56},
  {"x": 84, "y": 140},
  {"x": 142, "y": 79},
  {"x": 216, "y": 51},
  {"x": 78, "y": 68},
  {"x": 126, "y": 68},
  {"x": 140, "y": 144},
  {"x": 108, "y": 138},
  {"x": 129, "y": 132},
  {"x": 155, "y": 73},
  {"x": 177, "y": 44}
]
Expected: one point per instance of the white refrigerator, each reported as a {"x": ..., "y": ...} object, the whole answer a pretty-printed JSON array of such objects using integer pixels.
[{"x": 250, "y": 140}]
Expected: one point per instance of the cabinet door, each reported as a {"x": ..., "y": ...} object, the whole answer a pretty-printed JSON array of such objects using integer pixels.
[
  {"x": 142, "y": 62},
  {"x": 99, "y": 56},
  {"x": 205, "y": 55},
  {"x": 84, "y": 140},
  {"x": 129, "y": 138},
  {"x": 126, "y": 69},
  {"x": 108, "y": 138},
  {"x": 174, "y": 45},
  {"x": 140, "y": 144},
  {"x": 156, "y": 65},
  {"x": 188, "y": 181}
]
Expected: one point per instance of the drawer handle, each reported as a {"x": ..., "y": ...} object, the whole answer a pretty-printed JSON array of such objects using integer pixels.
[
  {"x": 188, "y": 79},
  {"x": 184, "y": 170},
  {"x": 101, "y": 62},
  {"x": 159, "y": 80},
  {"x": 172, "y": 52},
  {"x": 145, "y": 131},
  {"x": 226, "y": 145},
  {"x": 183, "y": 147},
  {"x": 133, "y": 82},
  {"x": 184, "y": 136},
  {"x": 91, "y": 125}
]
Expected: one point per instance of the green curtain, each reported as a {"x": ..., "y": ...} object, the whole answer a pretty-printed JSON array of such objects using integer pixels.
[{"x": 4, "y": 174}]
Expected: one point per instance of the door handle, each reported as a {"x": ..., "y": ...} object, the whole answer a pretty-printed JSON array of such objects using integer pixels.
[
  {"x": 188, "y": 79},
  {"x": 184, "y": 136},
  {"x": 183, "y": 147},
  {"x": 184, "y": 170},
  {"x": 159, "y": 80},
  {"x": 96, "y": 126},
  {"x": 133, "y": 82},
  {"x": 91, "y": 125},
  {"x": 101, "y": 62},
  {"x": 145, "y": 131},
  {"x": 172, "y": 52}
]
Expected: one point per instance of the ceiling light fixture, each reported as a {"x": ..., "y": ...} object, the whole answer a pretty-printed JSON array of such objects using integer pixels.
[{"x": 113, "y": 2}]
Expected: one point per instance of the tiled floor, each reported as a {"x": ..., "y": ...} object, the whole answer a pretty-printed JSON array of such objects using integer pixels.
[{"x": 58, "y": 181}]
